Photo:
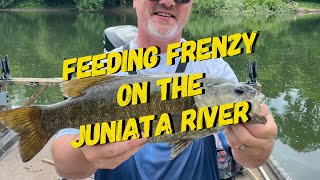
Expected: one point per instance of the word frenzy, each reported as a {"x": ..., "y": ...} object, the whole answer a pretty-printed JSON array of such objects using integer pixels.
[{"x": 142, "y": 58}]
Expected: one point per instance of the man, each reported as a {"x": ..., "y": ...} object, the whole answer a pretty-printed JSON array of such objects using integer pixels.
[{"x": 160, "y": 22}]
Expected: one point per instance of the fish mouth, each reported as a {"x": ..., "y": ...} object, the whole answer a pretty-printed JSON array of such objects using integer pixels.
[
  {"x": 261, "y": 97},
  {"x": 256, "y": 112},
  {"x": 257, "y": 99}
]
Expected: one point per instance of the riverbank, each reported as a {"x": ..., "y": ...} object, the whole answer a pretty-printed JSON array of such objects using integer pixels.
[
  {"x": 120, "y": 9},
  {"x": 252, "y": 7},
  {"x": 311, "y": 11},
  {"x": 297, "y": 9},
  {"x": 306, "y": 7}
]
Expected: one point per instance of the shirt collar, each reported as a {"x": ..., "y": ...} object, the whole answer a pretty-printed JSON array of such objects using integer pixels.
[{"x": 133, "y": 43}]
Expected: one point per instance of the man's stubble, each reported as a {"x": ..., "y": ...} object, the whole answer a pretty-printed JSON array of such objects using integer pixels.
[{"x": 165, "y": 34}]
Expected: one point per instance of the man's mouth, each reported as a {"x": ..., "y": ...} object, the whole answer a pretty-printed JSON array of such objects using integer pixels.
[{"x": 164, "y": 14}]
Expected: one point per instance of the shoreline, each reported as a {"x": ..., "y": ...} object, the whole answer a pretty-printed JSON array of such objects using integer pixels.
[
  {"x": 306, "y": 11},
  {"x": 120, "y": 9},
  {"x": 113, "y": 9}
]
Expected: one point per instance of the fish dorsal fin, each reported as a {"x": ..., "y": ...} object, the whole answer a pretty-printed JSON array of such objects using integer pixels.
[
  {"x": 178, "y": 147},
  {"x": 76, "y": 87}
]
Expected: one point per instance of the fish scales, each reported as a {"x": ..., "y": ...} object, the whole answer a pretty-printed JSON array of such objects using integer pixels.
[{"x": 96, "y": 106}]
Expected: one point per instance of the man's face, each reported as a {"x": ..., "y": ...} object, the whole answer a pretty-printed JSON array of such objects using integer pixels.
[{"x": 162, "y": 19}]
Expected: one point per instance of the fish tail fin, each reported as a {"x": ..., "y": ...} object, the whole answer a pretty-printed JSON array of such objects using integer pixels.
[{"x": 26, "y": 122}]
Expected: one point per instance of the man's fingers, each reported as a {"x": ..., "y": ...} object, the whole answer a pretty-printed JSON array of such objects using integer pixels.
[
  {"x": 110, "y": 149},
  {"x": 241, "y": 135},
  {"x": 264, "y": 109},
  {"x": 115, "y": 148},
  {"x": 115, "y": 161},
  {"x": 231, "y": 137},
  {"x": 268, "y": 130}
]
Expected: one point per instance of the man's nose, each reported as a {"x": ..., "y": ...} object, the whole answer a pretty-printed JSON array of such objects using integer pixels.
[{"x": 168, "y": 3}]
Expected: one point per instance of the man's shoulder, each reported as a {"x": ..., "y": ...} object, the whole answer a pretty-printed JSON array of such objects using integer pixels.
[
  {"x": 215, "y": 67},
  {"x": 118, "y": 49},
  {"x": 130, "y": 45}
]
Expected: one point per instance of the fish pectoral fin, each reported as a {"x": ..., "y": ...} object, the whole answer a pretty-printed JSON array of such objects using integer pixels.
[
  {"x": 76, "y": 87},
  {"x": 171, "y": 143},
  {"x": 178, "y": 147}
]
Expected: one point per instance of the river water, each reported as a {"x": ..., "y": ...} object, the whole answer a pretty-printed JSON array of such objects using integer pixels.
[{"x": 287, "y": 52}]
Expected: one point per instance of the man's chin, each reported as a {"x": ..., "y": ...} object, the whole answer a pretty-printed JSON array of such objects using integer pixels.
[{"x": 163, "y": 33}]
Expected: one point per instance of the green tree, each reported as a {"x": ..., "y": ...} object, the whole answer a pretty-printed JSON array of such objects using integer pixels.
[{"x": 6, "y": 3}]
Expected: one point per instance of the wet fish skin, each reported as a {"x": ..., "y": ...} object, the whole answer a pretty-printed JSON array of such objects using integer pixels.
[{"x": 94, "y": 100}]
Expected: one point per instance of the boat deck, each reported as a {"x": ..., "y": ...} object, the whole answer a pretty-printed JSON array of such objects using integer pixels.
[{"x": 13, "y": 168}]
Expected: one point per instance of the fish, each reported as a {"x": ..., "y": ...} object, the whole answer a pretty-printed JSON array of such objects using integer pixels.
[{"x": 94, "y": 99}]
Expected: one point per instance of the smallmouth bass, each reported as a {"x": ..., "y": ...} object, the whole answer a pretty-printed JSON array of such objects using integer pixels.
[{"x": 94, "y": 99}]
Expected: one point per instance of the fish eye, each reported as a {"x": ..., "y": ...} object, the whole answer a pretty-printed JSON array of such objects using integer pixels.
[{"x": 239, "y": 89}]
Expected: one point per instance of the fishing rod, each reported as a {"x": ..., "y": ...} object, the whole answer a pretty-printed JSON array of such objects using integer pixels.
[
  {"x": 252, "y": 75},
  {"x": 5, "y": 68}
]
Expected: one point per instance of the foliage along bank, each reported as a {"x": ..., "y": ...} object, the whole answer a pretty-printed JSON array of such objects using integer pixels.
[
  {"x": 79, "y": 4},
  {"x": 200, "y": 6},
  {"x": 243, "y": 6}
]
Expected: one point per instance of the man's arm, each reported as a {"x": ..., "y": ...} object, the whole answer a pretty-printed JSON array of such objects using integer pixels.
[
  {"x": 259, "y": 139},
  {"x": 82, "y": 162}
]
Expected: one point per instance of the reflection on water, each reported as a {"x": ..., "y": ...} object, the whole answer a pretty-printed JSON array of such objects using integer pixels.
[
  {"x": 37, "y": 42},
  {"x": 19, "y": 94},
  {"x": 287, "y": 53},
  {"x": 298, "y": 120}
]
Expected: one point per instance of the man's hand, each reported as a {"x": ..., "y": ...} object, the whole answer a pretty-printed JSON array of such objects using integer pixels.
[
  {"x": 251, "y": 143},
  {"x": 110, "y": 156},
  {"x": 82, "y": 162}
]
